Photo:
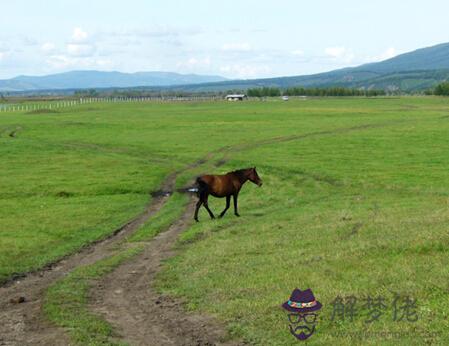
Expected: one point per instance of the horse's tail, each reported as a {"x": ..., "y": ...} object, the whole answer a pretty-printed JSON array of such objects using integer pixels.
[{"x": 202, "y": 187}]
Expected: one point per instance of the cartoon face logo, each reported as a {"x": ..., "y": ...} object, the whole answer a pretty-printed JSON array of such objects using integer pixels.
[
  {"x": 303, "y": 313},
  {"x": 302, "y": 326}
]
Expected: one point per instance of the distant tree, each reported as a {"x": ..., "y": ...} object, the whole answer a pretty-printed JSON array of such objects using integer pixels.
[
  {"x": 262, "y": 92},
  {"x": 86, "y": 93},
  {"x": 330, "y": 91},
  {"x": 442, "y": 89},
  {"x": 254, "y": 92}
]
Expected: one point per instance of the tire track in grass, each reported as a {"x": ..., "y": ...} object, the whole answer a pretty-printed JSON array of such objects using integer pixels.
[
  {"x": 66, "y": 302},
  {"x": 23, "y": 324},
  {"x": 126, "y": 297},
  {"x": 141, "y": 316}
]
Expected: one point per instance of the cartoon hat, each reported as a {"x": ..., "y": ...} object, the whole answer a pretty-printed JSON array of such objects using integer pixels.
[{"x": 302, "y": 301}]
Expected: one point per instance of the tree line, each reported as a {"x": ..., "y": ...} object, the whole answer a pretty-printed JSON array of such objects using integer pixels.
[
  {"x": 301, "y": 91},
  {"x": 442, "y": 89}
]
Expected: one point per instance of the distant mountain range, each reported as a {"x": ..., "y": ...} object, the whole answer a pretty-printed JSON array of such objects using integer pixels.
[
  {"x": 99, "y": 79},
  {"x": 417, "y": 70}
]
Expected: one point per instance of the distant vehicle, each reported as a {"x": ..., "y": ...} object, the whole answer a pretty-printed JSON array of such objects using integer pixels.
[
  {"x": 236, "y": 97},
  {"x": 285, "y": 98}
]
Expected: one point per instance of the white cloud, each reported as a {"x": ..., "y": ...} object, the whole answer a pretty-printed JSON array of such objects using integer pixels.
[
  {"x": 389, "y": 53},
  {"x": 244, "y": 71},
  {"x": 79, "y": 35},
  {"x": 236, "y": 47},
  {"x": 4, "y": 53},
  {"x": 298, "y": 52},
  {"x": 340, "y": 53},
  {"x": 79, "y": 45},
  {"x": 48, "y": 47},
  {"x": 61, "y": 61},
  {"x": 335, "y": 52},
  {"x": 159, "y": 31},
  {"x": 194, "y": 64},
  {"x": 29, "y": 41},
  {"x": 80, "y": 50}
]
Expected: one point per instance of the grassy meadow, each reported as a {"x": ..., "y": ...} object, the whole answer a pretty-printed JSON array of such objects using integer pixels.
[{"x": 355, "y": 202}]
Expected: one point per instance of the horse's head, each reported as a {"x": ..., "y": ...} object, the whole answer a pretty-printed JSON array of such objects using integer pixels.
[{"x": 254, "y": 177}]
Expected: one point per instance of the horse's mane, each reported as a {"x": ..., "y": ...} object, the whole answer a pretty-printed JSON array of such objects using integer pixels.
[{"x": 240, "y": 172}]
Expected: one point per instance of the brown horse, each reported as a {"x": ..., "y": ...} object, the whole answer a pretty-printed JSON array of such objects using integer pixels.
[{"x": 225, "y": 185}]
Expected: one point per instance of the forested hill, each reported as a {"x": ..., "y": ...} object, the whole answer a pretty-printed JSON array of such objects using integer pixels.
[{"x": 417, "y": 70}]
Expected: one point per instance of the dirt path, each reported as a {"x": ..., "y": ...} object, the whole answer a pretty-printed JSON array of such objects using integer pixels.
[
  {"x": 125, "y": 297},
  {"x": 24, "y": 323},
  {"x": 139, "y": 314}
]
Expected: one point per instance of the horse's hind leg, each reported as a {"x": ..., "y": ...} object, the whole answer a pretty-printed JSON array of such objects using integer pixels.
[
  {"x": 197, "y": 207},
  {"x": 212, "y": 216},
  {"x": 202, "y": 195},
  {"x": 228, "y": 202},
  {"x": 206, "y": 205}
]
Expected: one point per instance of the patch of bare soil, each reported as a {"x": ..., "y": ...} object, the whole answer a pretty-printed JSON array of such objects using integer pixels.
[{"x": 127, "y": 300}]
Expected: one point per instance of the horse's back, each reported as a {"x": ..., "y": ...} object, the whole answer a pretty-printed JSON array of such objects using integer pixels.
[
  {"x": 206, "y": 179},
  {"x": 218, "y": 185}
]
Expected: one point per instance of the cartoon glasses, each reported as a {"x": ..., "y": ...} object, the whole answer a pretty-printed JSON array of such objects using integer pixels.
[{"x": 307, "y": 317}]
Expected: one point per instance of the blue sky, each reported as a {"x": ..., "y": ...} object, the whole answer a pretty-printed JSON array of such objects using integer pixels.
[{"x": 235, "y": 39}]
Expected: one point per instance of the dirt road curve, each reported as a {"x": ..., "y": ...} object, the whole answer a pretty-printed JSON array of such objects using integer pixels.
[
  {"x": 141, "y": 316},
  {"x": 125, "y": 297},
  {"x": 24, "y": 323}
]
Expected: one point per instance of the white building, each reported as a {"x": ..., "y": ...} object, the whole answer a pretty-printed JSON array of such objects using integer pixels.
[{"x": 236, "y": 97}]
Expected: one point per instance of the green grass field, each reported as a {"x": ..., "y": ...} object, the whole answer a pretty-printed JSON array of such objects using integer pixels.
[{"x": 355, "y": 202}]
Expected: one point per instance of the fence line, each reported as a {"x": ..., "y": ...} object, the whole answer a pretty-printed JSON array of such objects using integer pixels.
[{"x": 28, "y": 107}]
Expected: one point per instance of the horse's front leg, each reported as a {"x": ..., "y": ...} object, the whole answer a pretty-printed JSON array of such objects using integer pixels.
[
  {"x": 236, "y": 213},
  {"x": 228, "y": 202}
]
